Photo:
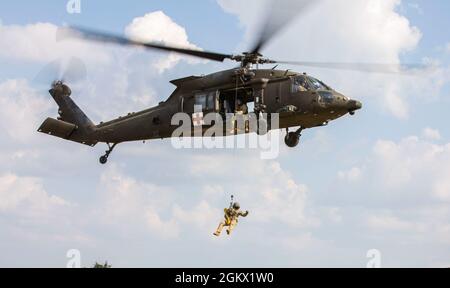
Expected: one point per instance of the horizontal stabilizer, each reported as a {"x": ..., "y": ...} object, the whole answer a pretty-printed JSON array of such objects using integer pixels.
[{"x": 62, "y": 130}]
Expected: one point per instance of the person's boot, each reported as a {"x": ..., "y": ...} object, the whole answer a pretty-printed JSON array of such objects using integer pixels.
[{"x": 216, "y": 234}]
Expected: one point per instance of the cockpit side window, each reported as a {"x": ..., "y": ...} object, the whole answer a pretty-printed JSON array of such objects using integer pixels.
[
  {"x": 299, "y": 84},
  {"x": 307, "y": 83}
]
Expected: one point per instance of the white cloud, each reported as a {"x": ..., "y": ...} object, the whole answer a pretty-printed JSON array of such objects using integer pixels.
[
  {"x": 418, "y": 225},
  {"x": 370, "y": 31},
  {"x": 431, "y": 134},
  {"x": 22, "y": 109},
  {"x": 126, "y": 198},
  {"x": 274, "y": 198},
  {"x": 127, "y": 86},
  {"x": 30, "y": 216},
  {"x": 125, "y": 195},
  {"x": 38, "y": 43},
  {"x": 282, "y": 199},
  {"x": 165, "y": 229},
  {"x": 154, "y": 207},
  {"x": 404, "y": 189},
  {"x": 26, "y": 197},
  {"x": 300, "y": 242},
  {"x": 396, "y": 104},
  {"x": 389, "y": 222},
  {"x": 414, "y": 160},
  {"x": 203, "y": 216},
  {"x": 351, "y": 175},
  {"x": 442, "y": 186},
  {"x": 158, "y": 27},
  {"x": 274, "y": 195},
  {"x": 334, "y": 215},
  {"x": 412, "y": 168}
]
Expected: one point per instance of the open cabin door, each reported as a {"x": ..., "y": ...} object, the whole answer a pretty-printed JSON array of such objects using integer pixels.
[{"x": 234, "y": 108}]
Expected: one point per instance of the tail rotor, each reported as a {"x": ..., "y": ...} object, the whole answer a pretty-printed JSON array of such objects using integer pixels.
[{"x": 71, "y": 71}]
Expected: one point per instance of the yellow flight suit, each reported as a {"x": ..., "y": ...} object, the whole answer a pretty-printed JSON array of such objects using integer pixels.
[{"x": 230, "y": 221}]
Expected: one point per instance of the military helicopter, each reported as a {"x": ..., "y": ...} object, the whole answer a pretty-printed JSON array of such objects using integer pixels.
[{"x": 299, "y": 99}]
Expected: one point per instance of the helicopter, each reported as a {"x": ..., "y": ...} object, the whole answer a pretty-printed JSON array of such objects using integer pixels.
[{"x": 301, "y": 101}]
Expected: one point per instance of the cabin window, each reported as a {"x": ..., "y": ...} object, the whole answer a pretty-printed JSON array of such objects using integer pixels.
[
  {"x": 211, "y": 102},
  {"x": 206, "y": 100},
  {"x": 200, "y": 100}
]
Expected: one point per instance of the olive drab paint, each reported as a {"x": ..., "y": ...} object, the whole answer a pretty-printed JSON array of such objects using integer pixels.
[{"x": 281, "y": 92}]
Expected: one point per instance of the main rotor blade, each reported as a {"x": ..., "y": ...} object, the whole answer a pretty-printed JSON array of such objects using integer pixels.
[
  {"x": 363, "y": 67},
  {"x": 115, "y": 39},
  {"x": 279, "y": 15}
]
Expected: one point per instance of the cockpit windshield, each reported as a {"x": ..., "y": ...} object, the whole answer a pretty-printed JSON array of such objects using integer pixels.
[
  {"x": 317, "y": 84},
  {"x": 307, "y": 83}
]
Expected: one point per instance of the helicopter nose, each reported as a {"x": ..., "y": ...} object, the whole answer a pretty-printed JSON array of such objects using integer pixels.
[{"x": 354, "y": 105}]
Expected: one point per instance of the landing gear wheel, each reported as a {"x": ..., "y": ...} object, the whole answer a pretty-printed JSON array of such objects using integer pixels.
[
  {"x": 103, "y": 160},
  {"x": 292, "y": 139}
]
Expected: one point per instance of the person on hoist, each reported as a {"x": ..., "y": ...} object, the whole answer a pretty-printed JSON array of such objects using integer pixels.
[{"x": 230, "y": 218}]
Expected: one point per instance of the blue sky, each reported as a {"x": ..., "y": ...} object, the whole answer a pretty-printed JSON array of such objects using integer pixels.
[{"x": 374, "y": 181}]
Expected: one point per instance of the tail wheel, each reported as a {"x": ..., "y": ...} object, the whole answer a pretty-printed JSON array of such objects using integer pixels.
[{"x": 103, "y": 160}]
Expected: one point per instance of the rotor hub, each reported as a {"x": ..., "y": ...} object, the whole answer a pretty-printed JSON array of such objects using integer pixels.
[{"x": 248, "y": 59}]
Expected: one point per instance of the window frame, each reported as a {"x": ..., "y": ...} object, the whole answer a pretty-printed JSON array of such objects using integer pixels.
[
  {"x": 295, "y": 84},
  {"x": 209, "y": 102},
  {"x": 311, "y": 81}
]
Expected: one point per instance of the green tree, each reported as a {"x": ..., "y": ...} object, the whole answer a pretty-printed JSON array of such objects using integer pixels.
[{"x": 101, "y": 266}]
